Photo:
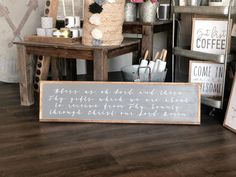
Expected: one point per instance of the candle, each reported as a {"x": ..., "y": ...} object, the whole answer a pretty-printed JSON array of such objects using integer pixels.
[
  {"x": 73, "y": 7},
  {"x": 64, "y": 7}
]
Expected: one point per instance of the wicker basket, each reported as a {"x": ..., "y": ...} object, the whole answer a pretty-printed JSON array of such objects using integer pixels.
[{"x": 111, "y": 22}]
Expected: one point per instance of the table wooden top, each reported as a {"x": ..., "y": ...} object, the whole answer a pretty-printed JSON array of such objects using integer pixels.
[
  {"x": 137, "y": 27},
  {"x": 77, "y": 50},
  {"x": 156, "y": 23},
  {"x": 77, "y": 45}
]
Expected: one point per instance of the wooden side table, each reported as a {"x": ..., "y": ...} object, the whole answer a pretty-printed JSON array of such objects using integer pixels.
[{"x": 99, "y": 56}]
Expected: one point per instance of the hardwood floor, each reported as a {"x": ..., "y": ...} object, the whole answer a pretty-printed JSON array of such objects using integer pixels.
[{"x": 32, "y": 149}]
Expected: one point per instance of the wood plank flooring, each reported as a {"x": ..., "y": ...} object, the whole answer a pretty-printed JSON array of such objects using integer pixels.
[{"x": 32, "y": 149}]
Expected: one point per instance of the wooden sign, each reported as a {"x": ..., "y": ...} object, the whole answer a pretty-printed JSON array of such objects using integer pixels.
[
  {"x": 209, "y": 35},
  {"x": 230, "y": 116},
  {"x": 210, "y": 75},
  {"x": 119, "y": 102}
]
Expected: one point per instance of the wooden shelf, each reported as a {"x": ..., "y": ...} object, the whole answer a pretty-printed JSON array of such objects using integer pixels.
[
  {"x": 202, "y": 56},
  {"x": 205, "y": 10},
  {"x": 213, "y": 102},
  {"x": 224, "y": 11}
]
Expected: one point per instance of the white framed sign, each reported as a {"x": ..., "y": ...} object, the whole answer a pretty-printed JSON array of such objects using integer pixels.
[
  {"x": 120, "y": 102},
  {"x": 233, "y": 32},
  {"x": 210, "y": 75},
  {"x": 230, "y": 116},
  {"x": 209, "y": 35}
]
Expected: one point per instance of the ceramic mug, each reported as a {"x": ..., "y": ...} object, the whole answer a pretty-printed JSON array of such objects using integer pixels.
[
  {"x": 163, "y": 12},
  {"x": 41, "y": 32},
  {"x": 72, "y": 22},
  {"x": 46, "y": 22}
]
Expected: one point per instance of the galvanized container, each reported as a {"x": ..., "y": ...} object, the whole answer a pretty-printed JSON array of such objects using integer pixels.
[
  {"x": 194, "y": 2},
  {"x": 130, "y": 12},
  {"x": 147, "y": 11},
  {"x": 131, "y": 73}
]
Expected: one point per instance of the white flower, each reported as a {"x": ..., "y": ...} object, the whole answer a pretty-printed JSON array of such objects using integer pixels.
[
  {"x": 96, "y": 33},
  {"x": 95, "y": 19}
]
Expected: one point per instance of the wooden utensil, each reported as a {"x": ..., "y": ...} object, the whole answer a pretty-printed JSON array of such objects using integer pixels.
[
  {"x": 156, "y": 56},
  {"x": 144, "y": 62},
  {"x": 164, "y": 55}
]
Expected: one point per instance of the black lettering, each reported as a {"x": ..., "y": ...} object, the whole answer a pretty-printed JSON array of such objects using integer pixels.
[
  {"x": 203, "y": 43},
  {"x": 223, "y": 44},
  {"x": 208, "y": 43},
  {"x": 218, "y": 44},
  {"x": 198, "y": 43},
  {"x": 213, "y": 43},
  {"x": 194, "y": 71}
]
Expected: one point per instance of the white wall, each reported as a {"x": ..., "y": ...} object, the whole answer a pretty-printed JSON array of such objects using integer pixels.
[
  {"x": 8, "y": 55},
  {"x": 68, "y": 5}
]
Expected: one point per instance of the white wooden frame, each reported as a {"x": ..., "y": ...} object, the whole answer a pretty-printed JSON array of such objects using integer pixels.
[
  {"x": 213, "y": 79},
  {"x": 210, "y": 28},
  {"x": 230, "y": 116}
]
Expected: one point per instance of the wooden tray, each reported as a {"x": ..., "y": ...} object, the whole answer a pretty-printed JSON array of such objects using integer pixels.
[{"x": 55, "y": 40}]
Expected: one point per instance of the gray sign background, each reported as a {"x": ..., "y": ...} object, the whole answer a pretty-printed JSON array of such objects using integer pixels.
[{"x": 167, "y": 103}]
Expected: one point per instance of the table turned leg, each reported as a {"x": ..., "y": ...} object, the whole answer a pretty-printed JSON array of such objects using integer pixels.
[
  {"x": 71, "y": 69},
  {"x": 100, "y": 71},
  {"x": 26, "y": 76},
  {"x": 147, "y": 41},
  {"x": 136, "y": 55},
  {"x": 42, "y": 70},
  {"x": 169, "y": 56},
  {"x": 56, "y": 68}
]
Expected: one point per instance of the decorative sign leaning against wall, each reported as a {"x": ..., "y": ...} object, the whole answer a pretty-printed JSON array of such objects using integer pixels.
[
  {"x": 210, "y": 75},
  {"x": 119, "y": 102},
  {"x": 209, "y": 35},
  {"x": 230, "y": 116}
]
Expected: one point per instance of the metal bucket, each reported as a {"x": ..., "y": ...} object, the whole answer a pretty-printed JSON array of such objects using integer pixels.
[
  {"x": 130, "y": 12},
  {"x": 194, "y": 2},
  {"x": 147, "y": 11},
  {"x": 131, "y": 73}
]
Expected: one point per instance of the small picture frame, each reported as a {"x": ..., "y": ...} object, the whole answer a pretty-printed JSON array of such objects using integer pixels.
[
  {"x": 209, "y": 35},
  {"x": 220, "y": 3},
  {"x": 230, "y": 116},
  {"x": 209, "y": 74}
]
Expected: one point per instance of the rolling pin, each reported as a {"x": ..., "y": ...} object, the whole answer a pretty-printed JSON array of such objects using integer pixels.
[
  {"x": 157, "y": 60},
  {"x": 144, "y": 62},
  {"x": 152, "y": 62},
  {"x": 162, "y": 63}
]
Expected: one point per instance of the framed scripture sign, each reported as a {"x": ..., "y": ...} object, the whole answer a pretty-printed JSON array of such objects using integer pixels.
[
  {"x": 210, "y": 75},
  {"x": 230, "y": 116},
  {"x": 209, "y": 35},
  {"x": 120, "y": 102}
]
